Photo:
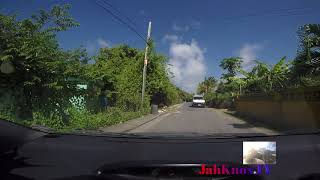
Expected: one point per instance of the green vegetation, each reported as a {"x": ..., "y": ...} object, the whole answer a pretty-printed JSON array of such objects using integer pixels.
[
  {"x": 208, "y": 85},
  {"x": 40, "y": 83},
  {"x": 302, "y": 72},
  {"x": 306, "y": 66}
]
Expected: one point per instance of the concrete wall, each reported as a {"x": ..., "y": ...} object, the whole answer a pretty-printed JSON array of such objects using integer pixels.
[{"x": 286, "y": 110}]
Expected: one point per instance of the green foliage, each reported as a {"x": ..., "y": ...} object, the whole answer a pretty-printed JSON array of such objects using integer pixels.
[
  {"x": 185, "y": 96},
  {"x": 83, "y": 119},
  {"x": 44, "y": 85},
  {"x": 216, "y": 94},
  {"x": 267, "y": 78},
  {"x": 119, "y": 69},
  {"x": 218, "y": 100},
  {"x": 208, "y": 85},
  {"x": 310, "y": 81},
  {"x": 54, "y": 122},
  {"x": 307, "y": 62},
  {"x": 261, "y": 78},
  {"x": 43, "y": 71},
  {"x": 231, "y": 65}
]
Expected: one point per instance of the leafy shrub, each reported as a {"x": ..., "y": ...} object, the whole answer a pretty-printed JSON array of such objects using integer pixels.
[
  {"x": 83, "y": 119},
  {"x": 310, "y": 81},
  {"x": 219, "y": 100},
  {"x": 54, "y": 121}
]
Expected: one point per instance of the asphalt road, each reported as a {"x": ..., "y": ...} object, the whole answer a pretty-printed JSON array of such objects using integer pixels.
[{"x": 187, "y": 119}]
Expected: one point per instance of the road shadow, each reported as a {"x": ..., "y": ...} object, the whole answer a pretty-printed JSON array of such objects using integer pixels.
[
  {"x": 251, "y": 122},
  {"x": 197, "y": 106},
  {"x": 242, "y": 126},
  {"x": 12, "y": 160}
]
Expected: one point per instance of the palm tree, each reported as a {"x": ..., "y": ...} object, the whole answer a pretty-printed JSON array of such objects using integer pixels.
[
  {"x": 208, "y": 85},
  {"x": 201, "y": 88}
]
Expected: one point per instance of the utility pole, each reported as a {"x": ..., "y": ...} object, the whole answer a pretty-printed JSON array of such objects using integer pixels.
[{"x": 145, "y": 64}]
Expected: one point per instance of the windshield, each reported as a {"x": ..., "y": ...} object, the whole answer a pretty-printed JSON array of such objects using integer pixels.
[
  {"x": 256, "y": 63},
  {"x": 198, "y": 98}
]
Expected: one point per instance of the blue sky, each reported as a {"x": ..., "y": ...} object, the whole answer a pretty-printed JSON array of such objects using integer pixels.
[{"x": 194, "y": 34}]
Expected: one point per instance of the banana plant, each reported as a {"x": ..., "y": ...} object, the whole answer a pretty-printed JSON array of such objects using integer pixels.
[{"x": 264, "y": 77}]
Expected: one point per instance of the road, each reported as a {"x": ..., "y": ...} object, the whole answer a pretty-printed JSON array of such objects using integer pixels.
[{"x": 187, "y": 119}]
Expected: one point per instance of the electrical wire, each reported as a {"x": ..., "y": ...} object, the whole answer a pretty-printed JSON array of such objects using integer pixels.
[
  {"x": 122, "y": 21},
  {"x": 118, "y": 11},
  {"x": 277, "y": 12}
]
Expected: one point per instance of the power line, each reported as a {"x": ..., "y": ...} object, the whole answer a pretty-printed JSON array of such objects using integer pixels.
[
  {"x": 117, "y": 10},
  {"x": 122, "y": 21}
]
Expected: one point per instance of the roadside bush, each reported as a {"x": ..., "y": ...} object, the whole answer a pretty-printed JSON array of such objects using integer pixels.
[
  {"x": 219, "y": 100},
  {"x": 7, "y": 109},
  {"x": 110, "y": 117},
  {"x": 172, "y": 96},
  {"x": 54, "y": 122},
  {"x": 82, "y": 119}
]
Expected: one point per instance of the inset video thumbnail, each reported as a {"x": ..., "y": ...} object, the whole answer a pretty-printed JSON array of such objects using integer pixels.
[{"x": 259, "y": 152}]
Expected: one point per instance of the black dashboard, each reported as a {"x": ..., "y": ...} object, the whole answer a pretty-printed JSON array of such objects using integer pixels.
[{"x": 31, "y": 154}]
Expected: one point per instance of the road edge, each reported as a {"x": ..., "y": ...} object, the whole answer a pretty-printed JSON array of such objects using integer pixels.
[{"x": 137, "y": 122}]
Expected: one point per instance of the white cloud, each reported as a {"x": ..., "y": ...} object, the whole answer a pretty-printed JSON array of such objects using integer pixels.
[
  {"x": 93, "y": 46},
  {"x": 249, "y": 53},
  {"x": 170, "y": 38},
  {"x": 175, "y": 27},
  {"x": 102, "y": 43},
  {"x": 187, "y": 64}
]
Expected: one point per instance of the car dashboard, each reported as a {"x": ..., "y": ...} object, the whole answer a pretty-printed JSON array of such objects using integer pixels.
[{"x": 30, "y": 154}]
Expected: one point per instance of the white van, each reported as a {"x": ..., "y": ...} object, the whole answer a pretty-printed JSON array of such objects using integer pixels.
[{"x": 198, "y": 101}]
